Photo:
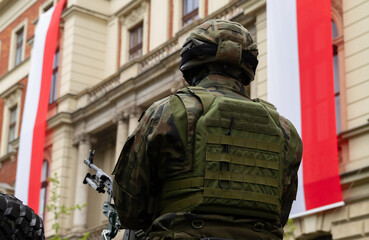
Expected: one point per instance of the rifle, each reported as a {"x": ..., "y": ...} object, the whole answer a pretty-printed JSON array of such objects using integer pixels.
[{"x": 101, "y": 181}]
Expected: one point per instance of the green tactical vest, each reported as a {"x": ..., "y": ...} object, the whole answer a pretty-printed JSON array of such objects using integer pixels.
[{"x": 237, "y": 161}]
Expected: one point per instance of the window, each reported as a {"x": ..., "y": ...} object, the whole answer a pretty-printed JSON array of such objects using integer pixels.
[
  {"x": 12, "y": 99},
  {"x": 54, "y": 77},
  {"x": 19, "y": 46},
  {"x": 190, "y": 11},
  {"x": 44, "y": 184},
  {"x": 12, "y": 128},
  {"x": 336, "y": 79},
  {"x": 135, "y": 42}
]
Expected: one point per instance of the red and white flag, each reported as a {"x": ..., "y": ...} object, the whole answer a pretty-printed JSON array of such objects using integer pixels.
[
  {"x": 32, "y": 135},
  {"x": 301, "y": 86}
]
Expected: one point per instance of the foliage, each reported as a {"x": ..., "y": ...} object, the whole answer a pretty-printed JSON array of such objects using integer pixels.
[
  {"x": 288, "y": 235},
  {"x": 58, "y": 210}
]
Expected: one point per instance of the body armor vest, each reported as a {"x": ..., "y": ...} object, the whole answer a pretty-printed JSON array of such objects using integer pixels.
[{"x": 237, "y": 161}]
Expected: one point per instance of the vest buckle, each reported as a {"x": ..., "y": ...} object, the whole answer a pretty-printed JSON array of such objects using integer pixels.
[{"x": 258, "y": 227}]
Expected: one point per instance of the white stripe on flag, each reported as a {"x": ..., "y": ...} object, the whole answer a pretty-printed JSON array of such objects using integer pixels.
[
  {"x": 30, "y": 107},
  {"x": 283, "y": 71}
]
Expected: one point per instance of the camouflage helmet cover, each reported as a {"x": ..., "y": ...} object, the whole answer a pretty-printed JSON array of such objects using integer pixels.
[{"x": 233, "y": 43}]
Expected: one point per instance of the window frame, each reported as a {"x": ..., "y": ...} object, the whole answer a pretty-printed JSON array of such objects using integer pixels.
[
  {"x": 12, "y": 127},
  {"x": 19, "y": 39},
  {"x": 44, "y": 185},
  {"x": 189, "y": 17},
  {"x": 12, "y": 98},
  {"x": 13, "y": 45},
  {"x": 132, "y": 50},
  {"x": 46, "y": 6},
  {"x": 54, "y": 77},
  {"x": 338, "y": 41}
]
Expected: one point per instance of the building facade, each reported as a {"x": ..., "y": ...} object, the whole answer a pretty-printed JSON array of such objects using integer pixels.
[{"x": 116, "y": 57}]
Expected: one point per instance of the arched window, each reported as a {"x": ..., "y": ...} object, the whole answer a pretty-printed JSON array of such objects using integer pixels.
[
  {"x": 336, "y": 78},
  {"x": 44, "y": 185}
]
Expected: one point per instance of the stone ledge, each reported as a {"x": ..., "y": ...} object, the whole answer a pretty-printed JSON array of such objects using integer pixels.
[
  {"x": 58, "y": 119},
  {"x": 354, "y": 131},
  {"x": 359, "y": 209},
  {"x": 7, "y": 156},
  {"x": 348, "y": 230}
]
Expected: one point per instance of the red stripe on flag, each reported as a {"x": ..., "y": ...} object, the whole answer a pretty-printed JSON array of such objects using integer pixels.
[
  {"x": 40, "y": 124},
  {"x": 320, "y": 165}
]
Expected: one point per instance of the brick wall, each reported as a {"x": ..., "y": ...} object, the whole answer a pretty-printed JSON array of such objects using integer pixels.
[
  {"x": 8, "y": 171},
  {"x": 31, "y": 14}
]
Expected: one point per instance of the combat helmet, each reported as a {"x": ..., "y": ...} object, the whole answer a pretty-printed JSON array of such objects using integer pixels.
[{"x": 225, "y": 44}]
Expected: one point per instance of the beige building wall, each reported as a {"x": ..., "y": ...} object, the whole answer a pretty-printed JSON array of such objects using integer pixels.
[
  {"x": 259, "y": 86},
  {"x": 356, "y": 34},
  {"x": 159, "y": 24},
  {"x": 84, "y": 49}
]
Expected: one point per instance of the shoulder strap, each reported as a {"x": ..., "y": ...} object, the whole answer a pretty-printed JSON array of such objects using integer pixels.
[
  {"x": 271, "y": 109},
  {"x": 205, "y": 97}
]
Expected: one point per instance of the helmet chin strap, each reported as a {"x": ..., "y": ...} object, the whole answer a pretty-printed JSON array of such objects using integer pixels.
[{"x": 194, "y": 76}]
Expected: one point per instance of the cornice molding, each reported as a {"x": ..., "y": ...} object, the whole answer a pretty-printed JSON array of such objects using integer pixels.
[
  {"x": 363, "y": 129},
  {"x": 353, "y": 179},
  {"x": 128, "y": 8},
  {"x": 135, "y": 16},
  {"x": 11, "y": 156},
  {"x": 59, "y": 119},
  {"x": 13, "y": 89},
  {"x": 120, "y": 116},
  {"x": 78, "y": 9}
]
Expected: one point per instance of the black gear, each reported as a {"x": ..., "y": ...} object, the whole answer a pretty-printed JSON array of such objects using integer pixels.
[{"x": 18, "y": 221}]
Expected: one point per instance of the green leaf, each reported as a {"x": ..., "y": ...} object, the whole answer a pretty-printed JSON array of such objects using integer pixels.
[{"x": 85, "y": 236}]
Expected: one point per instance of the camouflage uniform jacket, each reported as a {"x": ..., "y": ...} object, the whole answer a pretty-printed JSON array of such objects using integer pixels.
[{"x": 155, "y": 150}]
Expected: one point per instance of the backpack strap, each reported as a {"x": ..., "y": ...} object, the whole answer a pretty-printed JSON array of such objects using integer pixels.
[{"x": 186, "y": 112}]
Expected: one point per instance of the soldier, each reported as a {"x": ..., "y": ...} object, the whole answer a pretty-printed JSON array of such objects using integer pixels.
[{"x": 208, "y": 161}]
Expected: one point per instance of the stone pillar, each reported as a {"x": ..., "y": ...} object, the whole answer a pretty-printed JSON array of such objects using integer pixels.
[
  {"x": 258, "y": 87},
  {"x": 122, "y": 132},
  {"x": 81, "y": 191},
  {"x": 133, "y": 119}
]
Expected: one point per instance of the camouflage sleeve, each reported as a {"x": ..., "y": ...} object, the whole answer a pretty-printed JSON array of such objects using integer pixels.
[
  {"x": 137, "y": 171},
  {"x": 293, "y": 155}
]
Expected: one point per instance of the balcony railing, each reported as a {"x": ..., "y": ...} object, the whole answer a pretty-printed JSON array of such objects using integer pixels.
[
  {"x": 153, "y": 58},
  {"x": 101, "y": 89}
]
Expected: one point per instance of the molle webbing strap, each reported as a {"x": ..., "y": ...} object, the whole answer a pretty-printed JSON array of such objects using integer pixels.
[
  {"x": 240, "y": 177},
  {"x": 241, "y": 160},
  {"x": 237, "y": 108},
  {"x": 243, "y": 125},
  {"x": 183, "y": 203},
  {"x": 251, "y": 117},
  {"x": 183, "y": 183},
  {"x": 241, "y": 195},
  {"x": 243, "y": 142}
]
